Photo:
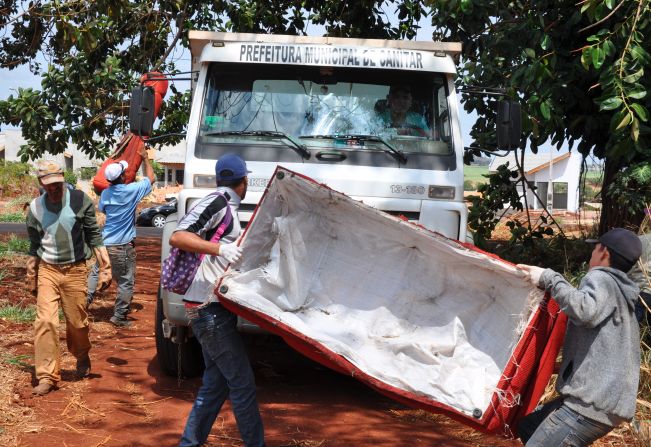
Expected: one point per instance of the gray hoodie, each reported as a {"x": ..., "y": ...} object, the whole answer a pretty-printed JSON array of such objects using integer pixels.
[{"x": 600, "y": 371}]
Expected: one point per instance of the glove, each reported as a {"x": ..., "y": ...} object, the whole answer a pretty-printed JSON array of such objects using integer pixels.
[
  {"x": 32, "y": 275},
  {"x": 532, "y": 273},
  {"x": 105, "y": 275},
  {"x": 230, "y": 252}
]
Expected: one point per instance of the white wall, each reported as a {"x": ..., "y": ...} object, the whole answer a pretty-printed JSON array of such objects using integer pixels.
[{"x": 563, "y": 171}]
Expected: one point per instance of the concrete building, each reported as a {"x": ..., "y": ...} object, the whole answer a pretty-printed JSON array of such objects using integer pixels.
[
  {"x": 560, "y": 169},
  {"x": 172, "y": 159},
  {"x": 73, "y": 159}
]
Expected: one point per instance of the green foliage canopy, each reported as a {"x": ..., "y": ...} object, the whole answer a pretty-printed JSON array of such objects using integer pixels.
[
  {"x": 96, "y": 52},
  {"x": 578, "y": 69}
]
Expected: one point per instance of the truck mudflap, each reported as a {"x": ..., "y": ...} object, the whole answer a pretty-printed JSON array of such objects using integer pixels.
[{"x": 428, "y": 321}]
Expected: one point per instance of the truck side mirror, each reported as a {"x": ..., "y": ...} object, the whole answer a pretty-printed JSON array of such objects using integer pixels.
[
  {"x": 141, "y": 111},
  {"x": 509, "y": 125}
]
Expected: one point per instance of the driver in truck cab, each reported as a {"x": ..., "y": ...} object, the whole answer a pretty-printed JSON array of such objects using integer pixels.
[{"x": 396, "y": 113}]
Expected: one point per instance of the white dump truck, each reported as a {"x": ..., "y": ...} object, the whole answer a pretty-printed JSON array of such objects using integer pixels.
[{"x": 375, "y": 119}]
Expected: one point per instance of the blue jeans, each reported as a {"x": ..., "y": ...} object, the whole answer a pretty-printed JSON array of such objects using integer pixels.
[
  {"x": 91, "y": 283},
  {"x": 228, "y": 373},
  {"x": 554, "y": 424},
  {"x": 123, "y": 269}
]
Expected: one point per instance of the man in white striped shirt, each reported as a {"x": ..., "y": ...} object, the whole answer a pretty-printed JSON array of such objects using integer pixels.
[{"x": 228, "y": 372}]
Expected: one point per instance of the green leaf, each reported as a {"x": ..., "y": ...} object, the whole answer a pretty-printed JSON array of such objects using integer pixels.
[
  {"x": 598, "y": 57},
  {"x": 633, "y": 78},
  {"x": 586, "y": 58},
  {"x": 609, "y": 3},
  {"x": 545, "y": 110},
  {"x": 635, "y": 129},
  {"x": 638, "y": 93},
  {"x": 641, "y": 111},
  {"x": 546, "y": 42},
  {"x": 610, "y": 103},
  {"x": 640, "y": 53},
  {"x": 530, "y": 52},
  {"x": 625, "y": 121}
]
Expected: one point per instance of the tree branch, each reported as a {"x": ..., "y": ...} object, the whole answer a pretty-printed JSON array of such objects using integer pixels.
[
  {"x": 602, "y": 20},
  {"x": 176, "y": 38}
]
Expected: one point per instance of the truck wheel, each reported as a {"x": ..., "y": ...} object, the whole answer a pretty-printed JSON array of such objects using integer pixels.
[{"x": 167, "y": 351}]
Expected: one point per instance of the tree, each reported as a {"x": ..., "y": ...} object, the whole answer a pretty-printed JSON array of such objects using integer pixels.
[
  {"x": 577, "y": 67},
  {"x": 96, "y": 52}
]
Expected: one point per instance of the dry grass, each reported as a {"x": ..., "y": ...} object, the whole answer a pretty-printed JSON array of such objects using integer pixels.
[
  {"x": 15, "y": 419},
  {"x": 139, "y": 403},
  {"x": 466, "y": 434}
]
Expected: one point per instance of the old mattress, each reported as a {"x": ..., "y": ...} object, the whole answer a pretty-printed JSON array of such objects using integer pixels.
[{"x": 426, "y": 320}]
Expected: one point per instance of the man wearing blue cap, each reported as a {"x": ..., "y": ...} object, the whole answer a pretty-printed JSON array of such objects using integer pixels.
[
  {"x": 599, "y": 374},
  {"x": 228, "y": 372}
]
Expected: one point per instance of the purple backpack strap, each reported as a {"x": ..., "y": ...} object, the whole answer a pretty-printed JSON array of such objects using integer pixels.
[{"x": 223, "y": 225}]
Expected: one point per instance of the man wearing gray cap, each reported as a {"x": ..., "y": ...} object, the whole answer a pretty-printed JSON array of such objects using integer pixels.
[
  {"x": 119, "y": 202},
  {"x": 599, "y": 373}
]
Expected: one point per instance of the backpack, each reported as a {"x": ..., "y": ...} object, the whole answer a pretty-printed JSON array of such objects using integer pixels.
[{"x": 181, "y": 266}]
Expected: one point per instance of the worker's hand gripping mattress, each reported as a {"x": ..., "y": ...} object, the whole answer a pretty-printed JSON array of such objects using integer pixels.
[{"x": 428, "y": 321}]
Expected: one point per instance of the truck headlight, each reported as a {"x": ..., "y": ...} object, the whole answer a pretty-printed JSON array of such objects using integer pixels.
[
  {"x": 204, "y": 181},
  {"x": 440, "y": 192}
]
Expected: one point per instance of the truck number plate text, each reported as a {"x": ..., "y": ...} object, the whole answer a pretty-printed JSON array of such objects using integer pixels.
[{"x": 407, "y": 189}]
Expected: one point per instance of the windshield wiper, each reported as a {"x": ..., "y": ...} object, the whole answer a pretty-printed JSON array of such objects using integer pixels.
[
  {"x": 399, "y": 155},
  {"x": 298, "y": 147}
]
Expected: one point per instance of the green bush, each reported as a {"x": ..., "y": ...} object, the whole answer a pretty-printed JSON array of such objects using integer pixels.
[
  {"x": 159, "y": 170},
  {"x": 87, "y": 173},
  {"x": 469, "y": 185},
  {"x": 14, "y": 245},
  {"x": 70, "y": 177},
  {"x": 18, "y": 313},
  {"x": 16, "y": 217},
  {"x": 14, "y": 173}
]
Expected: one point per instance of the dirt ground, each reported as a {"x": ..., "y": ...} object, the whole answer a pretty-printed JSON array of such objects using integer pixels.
[{"x": 127, "y": 401}]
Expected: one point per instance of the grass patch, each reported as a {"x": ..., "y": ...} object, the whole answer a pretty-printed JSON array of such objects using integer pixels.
[
  {"x": 475, "y": 174},
  {"x": 18, "y": 314},
  {"x": 16, "y": 217},
  {"x": 17, "y": 360},
  {"x": 14, "y": 245}
]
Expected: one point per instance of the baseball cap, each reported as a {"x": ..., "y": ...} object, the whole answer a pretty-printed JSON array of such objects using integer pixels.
[
  {"x": 623, "y": 242},
  {"x": 230, "y": 167},
  {"x": 49, "y": 171},
  {"x": 115, "y": 170}
]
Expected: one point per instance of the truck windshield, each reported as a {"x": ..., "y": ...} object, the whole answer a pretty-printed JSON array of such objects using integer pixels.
[{"x": 352, "y": 109}]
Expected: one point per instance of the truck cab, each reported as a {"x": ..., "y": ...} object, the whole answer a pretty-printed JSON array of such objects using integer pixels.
[{"x": 374, "y": 119}]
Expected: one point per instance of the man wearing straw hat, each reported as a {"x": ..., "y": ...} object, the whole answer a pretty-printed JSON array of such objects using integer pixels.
[{"x": 63, "y": 234}]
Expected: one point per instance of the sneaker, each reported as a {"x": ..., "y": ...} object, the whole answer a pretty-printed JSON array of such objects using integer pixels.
[
  {"x": 119, "y": 322},
  {"x": 83, "y": 367},
  {"x": 42, "y": 388}
]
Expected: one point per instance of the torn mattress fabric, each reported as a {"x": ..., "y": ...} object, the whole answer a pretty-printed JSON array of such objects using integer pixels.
[{"x": 429, "y": 321}]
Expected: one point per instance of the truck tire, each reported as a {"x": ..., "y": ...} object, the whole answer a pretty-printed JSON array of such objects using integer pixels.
[{"x": 167, "y": 351}]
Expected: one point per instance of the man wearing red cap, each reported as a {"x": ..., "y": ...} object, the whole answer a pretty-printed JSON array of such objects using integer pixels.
[{"x": 599, "y": 374}]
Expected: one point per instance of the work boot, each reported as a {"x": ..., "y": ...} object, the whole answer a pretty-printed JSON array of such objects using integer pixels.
[
  {"x": 42, "y": 388},
  {"x": 120, "y": 322},
  {"x": 83, "y": 367}
]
